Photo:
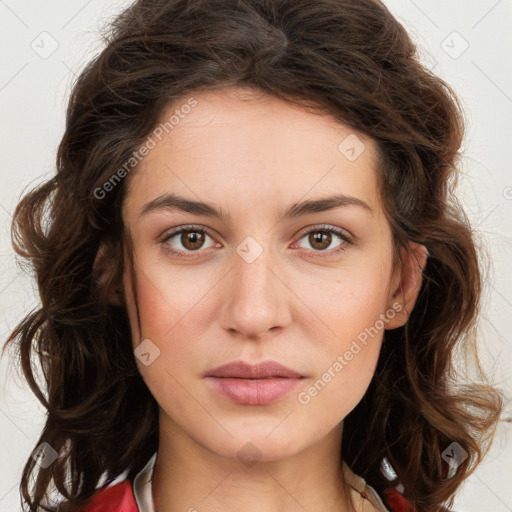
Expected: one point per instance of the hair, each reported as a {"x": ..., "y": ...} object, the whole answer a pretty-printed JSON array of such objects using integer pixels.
[{"x": 350, "y": 60}]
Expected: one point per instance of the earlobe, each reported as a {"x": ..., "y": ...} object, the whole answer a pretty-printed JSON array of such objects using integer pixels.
[{"x": 409, "y": 283}]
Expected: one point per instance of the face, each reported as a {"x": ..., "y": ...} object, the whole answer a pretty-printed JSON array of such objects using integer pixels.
[{"x": 260, "y": 271}]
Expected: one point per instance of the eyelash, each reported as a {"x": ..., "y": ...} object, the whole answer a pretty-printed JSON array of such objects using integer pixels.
[{"x": 197, "y": 229}]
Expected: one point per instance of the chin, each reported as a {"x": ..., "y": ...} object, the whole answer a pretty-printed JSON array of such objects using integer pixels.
[{"x": 256, "y": 443}]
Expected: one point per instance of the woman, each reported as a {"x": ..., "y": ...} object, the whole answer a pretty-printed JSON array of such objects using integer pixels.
[{"x": 252, "y": 272}]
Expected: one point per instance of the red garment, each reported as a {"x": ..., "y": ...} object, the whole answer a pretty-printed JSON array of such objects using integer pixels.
[
  {"x": 396, "y": 502},
  {"x": 117, "y": 498},
  {"x": 120, "y": 498}
]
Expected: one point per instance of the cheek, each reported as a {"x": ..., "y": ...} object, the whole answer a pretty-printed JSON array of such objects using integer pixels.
[
  {"x": 167, "y": 317},
  {"x": 351, "y": 309},
  {"x": 343, "y": 377},
  {"x": 347, "y": 305},
  {"x": 174, "y": 316},
  {"x": 167, "y": 301},
  {"x": 336, "y": 393}
]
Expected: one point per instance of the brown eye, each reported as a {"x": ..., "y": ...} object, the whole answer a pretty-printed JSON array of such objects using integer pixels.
[
  {"x": 320, "y": 240},
  {"x": 192, "y": 240},
  {"x": 186, "y": 240},
  {"x": 326, "y": 240}
]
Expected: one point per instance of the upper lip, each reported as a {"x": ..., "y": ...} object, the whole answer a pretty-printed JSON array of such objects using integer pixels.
[{"x": 262, "y": 370}]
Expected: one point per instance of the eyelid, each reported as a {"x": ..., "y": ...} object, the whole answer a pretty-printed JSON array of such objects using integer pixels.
[{"x": 343, "y": 233}]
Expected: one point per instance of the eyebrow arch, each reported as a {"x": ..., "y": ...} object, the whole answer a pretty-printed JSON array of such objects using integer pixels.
[{"x": 172, "y": 201}]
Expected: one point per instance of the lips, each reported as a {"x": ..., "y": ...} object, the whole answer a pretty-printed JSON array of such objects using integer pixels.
[
  {"x": 253, "y": 384},
  {"x": 263, "y": 370}
]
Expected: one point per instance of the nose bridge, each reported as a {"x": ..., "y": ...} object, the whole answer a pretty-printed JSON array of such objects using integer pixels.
[{"x": 256, "y": 298}]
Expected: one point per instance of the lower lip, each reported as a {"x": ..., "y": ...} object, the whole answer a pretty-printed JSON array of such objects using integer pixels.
[{"x": 252, "y": 391}]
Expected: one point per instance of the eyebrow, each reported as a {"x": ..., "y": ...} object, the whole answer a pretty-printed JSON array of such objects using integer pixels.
[{"x": 172, "y": 201}]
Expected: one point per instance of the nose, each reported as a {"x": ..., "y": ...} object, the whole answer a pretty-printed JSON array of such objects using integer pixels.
[{"x": 256, "y": 298}]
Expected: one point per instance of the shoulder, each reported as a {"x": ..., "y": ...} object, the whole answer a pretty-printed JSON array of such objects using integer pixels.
[{"x": 116, "y": 498}]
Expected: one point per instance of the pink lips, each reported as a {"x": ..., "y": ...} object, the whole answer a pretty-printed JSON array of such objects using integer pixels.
[{"x": 253, "y": 384}]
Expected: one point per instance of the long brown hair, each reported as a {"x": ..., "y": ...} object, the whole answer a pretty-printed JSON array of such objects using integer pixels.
[{"x": 344, "y": 58}]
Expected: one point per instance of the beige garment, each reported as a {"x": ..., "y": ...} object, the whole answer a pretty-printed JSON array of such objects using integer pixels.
[{"x": 372, "y": 502}]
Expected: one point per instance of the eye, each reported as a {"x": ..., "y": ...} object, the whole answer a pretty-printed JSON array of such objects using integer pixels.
[
  {"x": 182, "y": 242},
  {"x": 323, "y": 237},
  {"x": 191, "y": 239}
]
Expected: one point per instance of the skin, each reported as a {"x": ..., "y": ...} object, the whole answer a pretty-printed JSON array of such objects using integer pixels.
[{"x": 253, "y": 155}]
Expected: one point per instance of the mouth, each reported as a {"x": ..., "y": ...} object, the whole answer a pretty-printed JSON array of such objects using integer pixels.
[
  {"x": 263, "y": 370},
  {"x": 253, "y": 384}
]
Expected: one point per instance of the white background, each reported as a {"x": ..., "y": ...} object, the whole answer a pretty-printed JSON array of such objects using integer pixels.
[{"x": 468, "y": 43}]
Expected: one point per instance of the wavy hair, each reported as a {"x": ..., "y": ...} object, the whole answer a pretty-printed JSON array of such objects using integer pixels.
[{"x": 348, "y": 59}]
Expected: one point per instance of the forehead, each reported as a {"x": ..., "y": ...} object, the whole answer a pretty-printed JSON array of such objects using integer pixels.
[{"x": 246, "y": 149}]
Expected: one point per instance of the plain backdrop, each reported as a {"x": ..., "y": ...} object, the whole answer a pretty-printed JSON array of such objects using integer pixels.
[{"x": 43, "y": 45}]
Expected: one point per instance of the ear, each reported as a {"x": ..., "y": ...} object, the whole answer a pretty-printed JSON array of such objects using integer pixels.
[
  {"x": 406, "y": 284},
  {"x": 104, "y": 274}
]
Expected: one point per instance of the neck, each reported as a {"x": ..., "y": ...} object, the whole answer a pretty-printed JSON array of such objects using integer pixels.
[{"x": 190, "y": 477}]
